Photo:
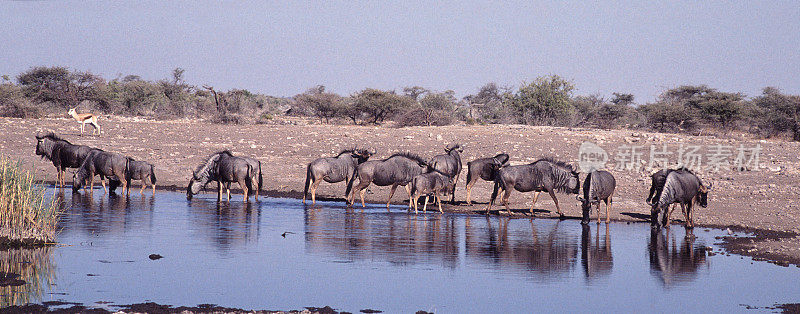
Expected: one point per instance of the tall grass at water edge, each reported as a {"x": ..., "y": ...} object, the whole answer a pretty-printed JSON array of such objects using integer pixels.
[{"x": 27, "y": 215}]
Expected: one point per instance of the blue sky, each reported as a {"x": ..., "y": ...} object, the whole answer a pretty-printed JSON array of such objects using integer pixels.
[{"x": 283, "y": 48}]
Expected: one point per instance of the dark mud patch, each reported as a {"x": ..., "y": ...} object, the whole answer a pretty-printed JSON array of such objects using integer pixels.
[
  {"x": 748, "y": 245},
  {"x": 10, "y": 280},
  {"x": 7, "y": 243}
]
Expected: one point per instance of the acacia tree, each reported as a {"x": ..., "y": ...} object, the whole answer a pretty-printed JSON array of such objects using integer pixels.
[
  {"x": 377, "y": 105},
  {"x": 544, "y": 101},
  {"x": 776, "y": 112},
  {"x": 325, "y": 105},
  {"x": 60, "y": 86}
]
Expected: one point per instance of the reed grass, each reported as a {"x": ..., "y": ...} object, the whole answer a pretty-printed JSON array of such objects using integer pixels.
[{"x": 27, "y": 215}]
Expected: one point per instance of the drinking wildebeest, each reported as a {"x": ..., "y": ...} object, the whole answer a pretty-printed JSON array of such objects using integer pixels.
[
  {"x": 106, "y": 165},
  {"x": 142, "y": 170},
  {"x": 396, "y": 170},
  {"x": 62, "y": 153},
  {"x": 544, "y": 175},
  {"x": 484, "y": 168},
  {"x": 449, "y": 164},
  {"x": 598, "y": 186},
  {"x": 685, "y": 188},
  {"x": 434, "y": 182},
  {"x": 256, "y": 185},
  {"x": 224, "y": 168},
  {"x": 333, "y": 170}
]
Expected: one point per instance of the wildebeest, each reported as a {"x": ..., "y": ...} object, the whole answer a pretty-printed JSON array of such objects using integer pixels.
[
  {"x": 598, "y": 186},
  {"x": 484, "y": 168},
  {"x": 224, "y": 168},
  {"x": 544, "y": 175},
  {"x": 106, "y": 165},
  {"x": 434, "y": 182},
  {"x": 685, "y": 188},
  {"x": 62, "y": 153},
  {"x": 333, "y": 170},
  {"x": 396, "y": 170},
  {"x": 142, "y": 170},
  {"x": 449, "y": 164},
  {"x": 256, "y": 184}
]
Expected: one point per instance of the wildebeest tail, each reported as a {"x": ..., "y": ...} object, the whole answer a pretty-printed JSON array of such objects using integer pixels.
[
  {"x": 250, "y": 178},
  {"x": 260, "y": 177},
  {"x": 152, "y": 174},
  {"x": 497, "y": 183},
  {"x": 127, "y": 178},
  {"x": 469, "y": 173},
  {"x": 308, "y": 181}
]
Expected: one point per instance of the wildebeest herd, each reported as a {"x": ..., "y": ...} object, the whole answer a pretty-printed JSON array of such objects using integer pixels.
[{"x": 435, "y": 177}]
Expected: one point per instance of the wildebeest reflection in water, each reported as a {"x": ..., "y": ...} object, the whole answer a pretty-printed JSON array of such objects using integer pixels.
[
  {"x": 104, "y": 213},
  {"x": 396, "y": 238},
  {"x": 226, "y": 224},
  {"x": 544, "y": 250},
  {"x": 673, "y": 263},
  {"x": 403, "y": 239},
  {"x": 596, "y": 257}
]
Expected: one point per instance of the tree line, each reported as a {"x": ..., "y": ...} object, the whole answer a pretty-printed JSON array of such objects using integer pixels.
[{"x": 547, "y": 100}]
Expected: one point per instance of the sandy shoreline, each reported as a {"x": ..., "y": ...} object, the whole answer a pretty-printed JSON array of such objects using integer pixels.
[{"x": 764, "y": 201}]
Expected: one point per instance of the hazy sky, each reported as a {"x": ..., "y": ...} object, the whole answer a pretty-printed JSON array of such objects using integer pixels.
[{"x": 283, "y": 48}]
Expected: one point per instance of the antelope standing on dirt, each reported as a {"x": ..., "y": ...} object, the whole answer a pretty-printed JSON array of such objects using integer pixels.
[{"x": 84, "y": 118}]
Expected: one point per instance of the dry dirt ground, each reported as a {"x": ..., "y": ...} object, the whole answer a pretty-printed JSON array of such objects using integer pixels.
[{"x": 762, "y": 200}]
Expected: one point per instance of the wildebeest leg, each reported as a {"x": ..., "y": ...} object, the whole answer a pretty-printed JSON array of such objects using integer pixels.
[
  {"x": 598, "y": 212},
  {"x": 141, "y": 191},
  {"x": 408, "y": 190},
  {"x": 555, "y": 200},
  {"x": 425, "y": 206},
  {"x": 228, "y": 190},
  {"x": 243, "y": 185},
  {"x": 688, "y": 214},
  {"x": 362, "y": 185},
  {"x": 469, "y": 190},
  {"x": 506, "y": 194},
  {"x": 453, "y": 194},
  {"x": 103, "y": 183},
  {"x": 439, "y": 200},
  {"x": 219, "y": 191},
  {"x": 413, "y": 200},
  {"x": 535, "y": 198},
  {"x": 391, "y": 193},
  {"x": 361, "y": 194},
  {"x": 609, "y": 202},
  {"x": 314, "y": 186}
]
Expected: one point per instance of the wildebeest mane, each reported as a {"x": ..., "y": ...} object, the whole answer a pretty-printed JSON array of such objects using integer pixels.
[
  {"x": 346, "y": 151},
  {"x": 560, "y": 164},
  {"x": 208, "y": 161},
  {"x": 409, "y": 155},
  {"x": 52, "y": 136}
]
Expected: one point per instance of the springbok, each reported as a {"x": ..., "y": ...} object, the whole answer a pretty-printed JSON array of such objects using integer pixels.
[{"x": 84, "y": 118}]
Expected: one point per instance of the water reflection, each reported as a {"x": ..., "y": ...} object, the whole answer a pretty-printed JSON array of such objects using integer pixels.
[
  {"x": 540, "y": 248},
  {"x": 34, "y": 266},
  {"x": 533, "y": 245},
  {"x": 227, "y": 224},
  {"x": 674, "y": 263},
  {"x": 98, "y": 213},
  {"x": 396, "y": 238},
  {"x": 596, "y": 257}
]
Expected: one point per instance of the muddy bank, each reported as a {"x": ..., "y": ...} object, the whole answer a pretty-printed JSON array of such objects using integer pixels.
[
  {"x": 766, "y": 198},
  {"x": 69, "y": 307}
]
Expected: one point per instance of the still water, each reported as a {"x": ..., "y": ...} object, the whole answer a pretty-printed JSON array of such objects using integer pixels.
[{"x": 278, "y": 254}]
